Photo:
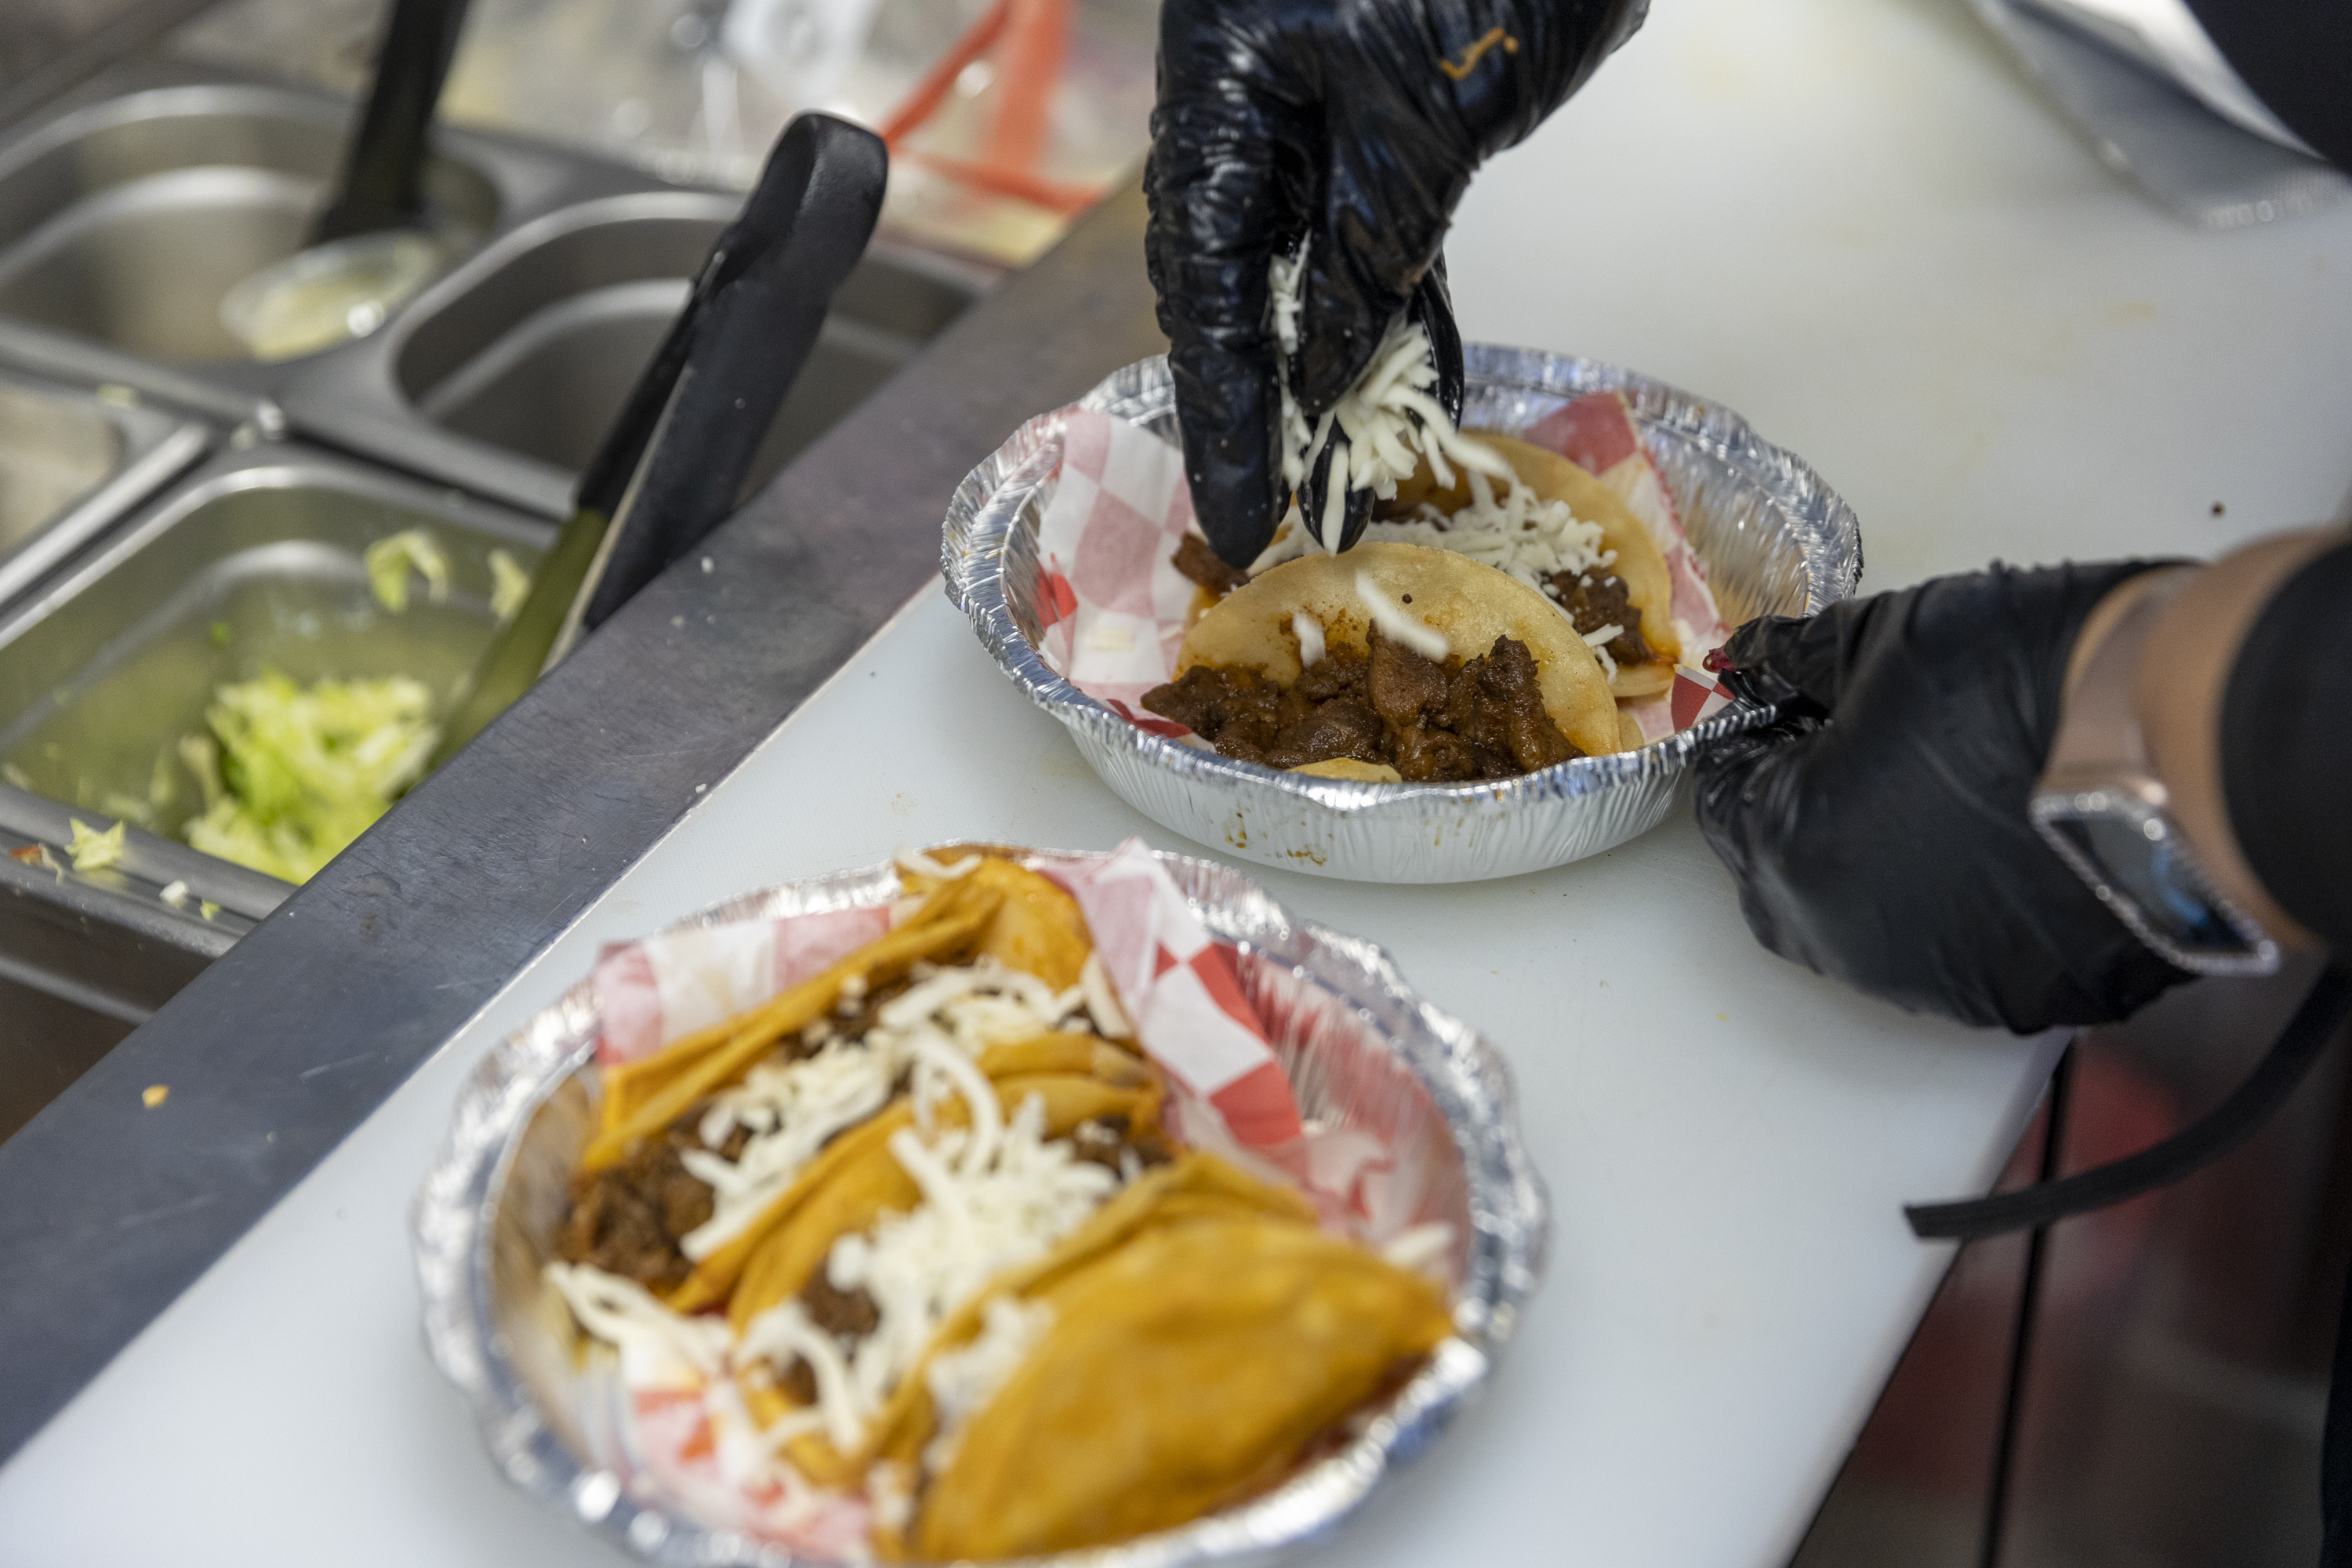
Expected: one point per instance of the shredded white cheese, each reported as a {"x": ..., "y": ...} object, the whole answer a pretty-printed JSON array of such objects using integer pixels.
[
  {"x": 1290, "y": 542},
  {"x": 1395, "y": 625},
  {"x": 1309, "y": 632},
  {"x": 1102, "y": 1002},
  {"x": 657, "y": 1346},
  {"x": 793, "y": 1109},
  {"x": 1419, "y": 1247},
  {"x": 977, "y": 1217},
  {"x": 892, "y": 1495},
  {"x": 1515, "y": 532},
  {"x": 963, "y": 1381},
  {"x": 1598, "y": 639},
  {"x": 1386, "y": 425}
]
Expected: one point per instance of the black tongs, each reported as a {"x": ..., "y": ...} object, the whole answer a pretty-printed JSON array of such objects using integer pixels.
[{"x": 670, "y": 467}]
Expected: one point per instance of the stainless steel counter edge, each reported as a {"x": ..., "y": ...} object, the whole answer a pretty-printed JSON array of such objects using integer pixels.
[{"x": 289, "y": 1041}]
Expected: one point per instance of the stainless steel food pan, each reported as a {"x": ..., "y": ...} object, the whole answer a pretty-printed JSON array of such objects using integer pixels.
[
  {"x": 70, "y": 463},
  {"x": 505, "y": 376},
  {"x": 127, "y": 211},
  {"x": 253, "y": 565}
]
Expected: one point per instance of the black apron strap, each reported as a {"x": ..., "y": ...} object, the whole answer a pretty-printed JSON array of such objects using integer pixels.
[{"x": 2220, "y": 1129}]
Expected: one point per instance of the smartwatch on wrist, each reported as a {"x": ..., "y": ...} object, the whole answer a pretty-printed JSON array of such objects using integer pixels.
[{"x": 2101, "y": 806}]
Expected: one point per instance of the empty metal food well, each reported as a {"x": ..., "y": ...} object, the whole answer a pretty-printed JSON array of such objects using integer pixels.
[
  {"x": 254, "y": 564},
  {"x": 72, "y": 462},
  {"x": 506, "y": 375},
  {"x": 125, "y": 222},
  {"x": 131, "y": 209}
]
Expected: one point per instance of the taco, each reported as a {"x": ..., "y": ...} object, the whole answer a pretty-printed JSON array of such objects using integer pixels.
[
  {"x": 918, "y": 1222},
  {"x": 1569, "y": 536},
  {"x": 1391, "y": 662}
]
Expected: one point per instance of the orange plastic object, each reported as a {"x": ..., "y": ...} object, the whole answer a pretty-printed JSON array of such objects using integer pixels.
[{"x": 1034, "y": 39}]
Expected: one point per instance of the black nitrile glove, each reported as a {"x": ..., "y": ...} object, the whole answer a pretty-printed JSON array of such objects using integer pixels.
[
  {"x": 1878, "y": 831},
  {"x": 1354, "y": 125}
]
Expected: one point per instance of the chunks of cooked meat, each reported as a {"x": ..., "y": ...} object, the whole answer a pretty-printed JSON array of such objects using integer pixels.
[
  {"x": 628, "y": 1218},
  {"x": 1595, "y": 599},
  {"x": 1205, "y": 566},
  {"x": 1482, "y": 718},
  {"x": 847, "y": 1315}
]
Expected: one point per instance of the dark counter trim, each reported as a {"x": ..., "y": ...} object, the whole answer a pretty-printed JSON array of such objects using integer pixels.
[{"x": 111, "y": 1210}]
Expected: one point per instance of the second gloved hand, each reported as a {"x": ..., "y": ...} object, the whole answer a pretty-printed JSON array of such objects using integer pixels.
[
  {"x": 1879, "y": 831},
  {"x": 1353, "y": 125}
]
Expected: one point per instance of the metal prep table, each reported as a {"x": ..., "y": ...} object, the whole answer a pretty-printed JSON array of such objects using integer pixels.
[{"x": 1844, "y": 217}]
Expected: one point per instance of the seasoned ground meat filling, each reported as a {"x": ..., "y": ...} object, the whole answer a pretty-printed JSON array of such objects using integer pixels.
[
  {"x": 1203, "y": 566},
  {"x": 847, "y": 1315},
  {"x": 1595, "y": 599},
  {"x": 627, "y": 1220},
  {"x": 1479, "y": 719}
]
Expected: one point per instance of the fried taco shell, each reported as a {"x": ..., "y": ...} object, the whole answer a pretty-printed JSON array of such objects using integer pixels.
[
  {"x": 1468, "y": 604},
  {"x": 998, "y": 909},
  {"x": 1183, "y": 1371},
  {"x": 1639, "y": 561}
]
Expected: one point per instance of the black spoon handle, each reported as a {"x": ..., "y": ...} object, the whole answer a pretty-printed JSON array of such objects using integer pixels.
[{"x": 383, "y": 186}]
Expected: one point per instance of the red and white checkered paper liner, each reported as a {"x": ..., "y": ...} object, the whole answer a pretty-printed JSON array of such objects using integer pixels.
[
  {"x": 1113, "y": 606},
  {"x": 1179, "y": 986}
]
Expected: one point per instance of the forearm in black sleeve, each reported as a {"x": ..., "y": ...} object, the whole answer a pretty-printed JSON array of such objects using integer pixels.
[
  {"x": 2297, "y": 56},
  {"x": 2287, "y": 747}
]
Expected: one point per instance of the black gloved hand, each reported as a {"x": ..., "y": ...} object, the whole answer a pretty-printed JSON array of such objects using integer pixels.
[
  {"x": 1354, "y": 125},
  {"x": 1878, "y": 831}
]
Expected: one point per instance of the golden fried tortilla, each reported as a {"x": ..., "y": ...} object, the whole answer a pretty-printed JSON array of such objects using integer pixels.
[
  {"x": 1468, "y": 604},
  {"x": 1182, "y": 1371},
  {"x": 1639, "y": 562}
]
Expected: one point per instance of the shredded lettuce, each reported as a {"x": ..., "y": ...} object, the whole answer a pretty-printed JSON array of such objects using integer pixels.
[
  {"x": 509, "y": 586},
  {"x": 92, "y": 851},
  {"x": 304, "y": 770},
  {"x": 390, "y": 559}
]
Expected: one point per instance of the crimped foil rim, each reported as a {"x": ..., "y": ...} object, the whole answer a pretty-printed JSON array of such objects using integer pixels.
[
  {"x": 452, "y": 1224},
  {"x": 987, "y": 507}
]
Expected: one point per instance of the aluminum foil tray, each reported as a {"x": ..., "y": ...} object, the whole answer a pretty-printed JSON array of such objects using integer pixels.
[
  {"x": 1362, "y": 1050},
  {"x": 1775, "y": 539}
]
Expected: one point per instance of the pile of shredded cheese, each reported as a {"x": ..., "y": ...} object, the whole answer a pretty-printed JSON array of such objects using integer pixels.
[
  {"x": 793, "y": 1109},
  {"x": 995, "y": 1196},
  {"x": 1516, "y": 531},
  {"x": 1387, "y": 424}
]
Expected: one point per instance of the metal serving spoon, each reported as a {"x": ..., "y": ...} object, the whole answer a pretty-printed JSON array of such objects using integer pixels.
[{"x": 373, "y": 247}]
